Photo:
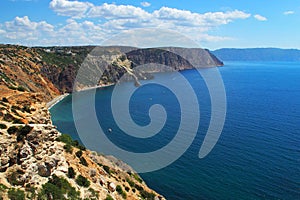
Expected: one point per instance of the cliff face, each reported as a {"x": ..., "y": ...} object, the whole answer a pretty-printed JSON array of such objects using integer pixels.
[
  {"x": 60, "y": 65},
  {"x": 174, "y": 57},
  {"x": 20, "y": 69},
  {"x": 37, "y": 161}
]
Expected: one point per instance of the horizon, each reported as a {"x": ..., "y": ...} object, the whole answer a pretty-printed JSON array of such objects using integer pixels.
[
  {"x": 212, "y": 25},
  {"x": 66, "y": 46}
]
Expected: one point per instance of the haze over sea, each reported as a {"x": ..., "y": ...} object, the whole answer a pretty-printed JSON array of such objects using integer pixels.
[{"x": 258, "y": 153}]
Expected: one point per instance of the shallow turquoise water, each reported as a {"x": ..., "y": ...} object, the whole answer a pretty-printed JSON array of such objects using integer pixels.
[{"x": 258, "y": 153}]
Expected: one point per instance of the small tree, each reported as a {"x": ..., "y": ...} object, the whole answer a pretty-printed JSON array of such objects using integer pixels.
[
  {"x": 79, "y": 153},
  {"x": 16, "y": 194},
  {"x": 71, "y": 172},
  {"x": 82, "y": 181}
]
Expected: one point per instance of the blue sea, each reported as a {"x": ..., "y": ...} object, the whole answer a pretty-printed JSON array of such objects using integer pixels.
[{"x": 258, "y": 153}]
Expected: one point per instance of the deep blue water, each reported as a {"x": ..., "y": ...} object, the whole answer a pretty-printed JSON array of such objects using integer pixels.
[{"x": 258, "y": 153}]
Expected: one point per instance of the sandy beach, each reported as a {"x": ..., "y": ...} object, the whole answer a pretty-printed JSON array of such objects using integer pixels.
[
  {"x": 95, "y": 87},
  {"x": 57, "y": 99},
  {"x": 54, "y": 101}
]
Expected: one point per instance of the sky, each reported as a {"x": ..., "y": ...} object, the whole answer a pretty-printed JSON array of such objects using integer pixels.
[{"x": 210, "y": 24}]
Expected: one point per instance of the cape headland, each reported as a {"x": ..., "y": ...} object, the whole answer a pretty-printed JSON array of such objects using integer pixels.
[{"x": 39, "y": 162}]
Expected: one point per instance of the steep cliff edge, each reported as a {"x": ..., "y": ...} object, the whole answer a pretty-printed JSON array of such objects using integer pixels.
[
  {"x": 61, "y": 64},
  {"x": 37, "y": 161}
]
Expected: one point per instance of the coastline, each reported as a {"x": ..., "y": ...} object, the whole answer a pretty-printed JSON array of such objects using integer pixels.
[
  {"x": 95, "y": 87},
  {"x": 57, "y": 99}
]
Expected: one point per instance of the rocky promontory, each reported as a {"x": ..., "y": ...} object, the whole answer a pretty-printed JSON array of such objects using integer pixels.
[{"x": 36, "y": 160}]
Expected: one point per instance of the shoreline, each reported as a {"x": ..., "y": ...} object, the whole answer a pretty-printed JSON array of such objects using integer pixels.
[
  {"x": 56, "y": 100},
  {"x": 95, "y": 87},
  {"x": 59, "y": 98}
]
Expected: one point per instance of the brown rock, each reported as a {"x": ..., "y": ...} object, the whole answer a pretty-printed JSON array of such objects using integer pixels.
[{"x": 44, "y": 170}]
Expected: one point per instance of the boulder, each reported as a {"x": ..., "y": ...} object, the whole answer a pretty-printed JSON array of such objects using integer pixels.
[
  {"x": 102, "y": 181},
  {"x": 112, "y": 187},
  {"x": 44, "y": 170},
  {"x": 25, "y": 152},
  {"x": 93, "y": 172}
]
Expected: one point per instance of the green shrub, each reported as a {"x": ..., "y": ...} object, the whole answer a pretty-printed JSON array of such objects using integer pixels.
[
  {"x": 121, "y": 192},
  {"x": 4, "y": 99},
  {"x": 3, "y": 126},
  {"x": 12, "y": 87},
  {"x": 15, "y": 107},
  {"x": 82, "y": 181},
  {"x": 16, "y": 194},
  {"x": 147, "y": 195},
  {"x": 22, "y": 132},
  {"x": 13, "y": 178},
  {"x": 71, "y": 172},
  {"x": 49, "y": 190},
  {"x": 2, "y": 187},
  {"x": 137, "y": 177},
  {"x": 31, "y": 191},
  {"x": 138, "y": 187},
  {"x": 130, "y": 182},
  {"x": 58, "y": 188},
  {"x": 107, "y": 169},
  {"x": 12, "y": 129},
  {"x": 83, "y": 161},
  {"x": 18, "y": 121},
  {"x": 81, "y": 147},
  {"x": 67, "y": 139},
  {"x": 26, "y": 108},
  {"x": 79, "y": 153},
  {"x": 108, "y": 197},
  {"x": 21, "y": 89},
  {"x": 119, "y": 189},
  {"x": 124, "y": 195},
  {"x": 94, "y": 194},
  {"x": 68, "y": 148}
]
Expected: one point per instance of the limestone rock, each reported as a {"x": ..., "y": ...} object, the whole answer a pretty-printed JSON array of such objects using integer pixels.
[
  {"x": 112, "y": 187},
  {"x": 25, "y": 152}
]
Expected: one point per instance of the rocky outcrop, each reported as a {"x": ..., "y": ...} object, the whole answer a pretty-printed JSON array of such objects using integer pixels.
[
  {"x": 33, "y": 155},
  {"x": 55, "y": 68},
  {"x": 20, "y": 69},
  {"x": 35, "y": 163},
  {"x": 174, "y": 57}
]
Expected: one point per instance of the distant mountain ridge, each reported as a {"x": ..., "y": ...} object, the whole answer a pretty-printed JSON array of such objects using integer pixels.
[{"x": 257, "y": 54}]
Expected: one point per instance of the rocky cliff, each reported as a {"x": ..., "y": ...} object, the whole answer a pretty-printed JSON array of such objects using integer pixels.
[
  {"x": 37, "y": 161},
  {"x": 60, "y": 65}
]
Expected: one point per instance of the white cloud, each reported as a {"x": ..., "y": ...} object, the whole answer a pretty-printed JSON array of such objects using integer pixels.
[
  {"x": 145, "y": 4},
  {"x": 112, "y": 11},
  {"x": 21, "y": 27},
  {"x": 260, "y": 18},
  {"x": 70, "y": 8},
  {"x": 289, "y": 12},
  {"x": 102, "y": 21}
]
